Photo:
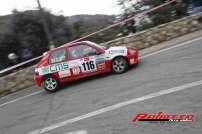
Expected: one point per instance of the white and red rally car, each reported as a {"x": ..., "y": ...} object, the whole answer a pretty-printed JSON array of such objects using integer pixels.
[{"x": 79, "y": 60}]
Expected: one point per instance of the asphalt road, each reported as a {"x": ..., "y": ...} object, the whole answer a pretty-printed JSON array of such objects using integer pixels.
[{"x": 163, "y": 82}]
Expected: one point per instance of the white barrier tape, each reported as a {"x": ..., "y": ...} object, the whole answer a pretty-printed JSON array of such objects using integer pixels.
[{"x": 18, "y": 65}]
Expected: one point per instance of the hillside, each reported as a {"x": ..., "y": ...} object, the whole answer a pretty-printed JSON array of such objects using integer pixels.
[
  {"x": 91, "y": 18},
  {"x": 90, "y": 23},
  {"x": 4, "y": 21}
]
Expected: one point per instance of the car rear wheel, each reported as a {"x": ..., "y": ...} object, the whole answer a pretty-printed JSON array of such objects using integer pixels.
[
  {"x": 50, "y": 84},
  {"x": 119, "y": 65}
]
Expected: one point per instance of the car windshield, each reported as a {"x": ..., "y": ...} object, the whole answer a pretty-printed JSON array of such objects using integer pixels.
[{"x": 98, "y": 45}]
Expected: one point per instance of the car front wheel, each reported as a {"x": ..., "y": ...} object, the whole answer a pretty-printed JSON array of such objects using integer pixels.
[
  {"x": 119, "y": 65},
  {"x": 50, "y": 84}
]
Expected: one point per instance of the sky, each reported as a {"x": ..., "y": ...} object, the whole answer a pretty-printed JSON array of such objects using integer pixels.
[{"x": 63, "y": 7}]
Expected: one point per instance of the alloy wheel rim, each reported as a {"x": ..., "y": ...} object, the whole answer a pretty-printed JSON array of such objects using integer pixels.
[
  {"x": 50, "y": 84},
  {"x": 119, "y": 65}
]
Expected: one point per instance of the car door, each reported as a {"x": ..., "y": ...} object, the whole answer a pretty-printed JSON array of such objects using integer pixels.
[
  {"x": 58, "y": 64},
  {"x": 82, "y": 60}
]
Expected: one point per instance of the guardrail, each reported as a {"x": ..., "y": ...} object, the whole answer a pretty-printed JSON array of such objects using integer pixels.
[
  {"x": 21, "y": 65},
  {"x": 18, "y": 66}
]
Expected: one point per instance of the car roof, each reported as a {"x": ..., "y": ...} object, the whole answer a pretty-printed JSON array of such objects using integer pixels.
[{"x": 72, "y": 44}]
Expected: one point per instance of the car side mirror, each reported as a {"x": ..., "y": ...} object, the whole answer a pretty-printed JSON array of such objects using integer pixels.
[
  {"x": 99, "y": 52},
  {"x": 94, "y": 53}
]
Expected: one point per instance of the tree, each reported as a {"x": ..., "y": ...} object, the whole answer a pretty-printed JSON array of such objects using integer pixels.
[
  {"x": 79, "y": 28},
  {"x": 26, "y": 38},
  {"x": 29, "y": 30},
  {"x": 168, "y": 13}
]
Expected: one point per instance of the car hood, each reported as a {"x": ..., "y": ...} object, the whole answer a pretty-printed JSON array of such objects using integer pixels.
[
  {"x": 117, "y": 49},
  {"x": 112, "y": 52}
]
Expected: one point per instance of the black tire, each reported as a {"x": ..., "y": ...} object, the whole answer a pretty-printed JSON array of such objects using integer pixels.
[
  {"x": 50, "y": 84},
  {"x": 119, "y": 65}
]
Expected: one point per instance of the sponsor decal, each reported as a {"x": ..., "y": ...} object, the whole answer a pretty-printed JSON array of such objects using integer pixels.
[
  {"x": 100, "y": 60},
  {"x": 89, "y": 66},
  {"x": 58, "y": 67},
  {"x": 44, "y": 70},
  {"x": 86, "y": 59},
  {"x": 101, "y": 66},
  {"x": 74, "y": 63},
  {"x": 163, "y": 117},
  {"x": 76, "y": 70},
  {"x": 64, "y": 73},
  {"x": 53, "y": 68}
]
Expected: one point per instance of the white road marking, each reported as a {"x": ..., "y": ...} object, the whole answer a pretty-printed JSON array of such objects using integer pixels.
[
  {"x": 169, "y": 48},
  {"x": 20, "y": 98},
  {"x": 142, "y": 57},
  {"x": 78, "y": 132},
  {"x": 116, "y": 106}
]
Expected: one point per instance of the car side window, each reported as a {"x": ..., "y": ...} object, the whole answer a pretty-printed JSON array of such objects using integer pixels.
[
  {"x": 81, "y": 51},
  {"x": 74, "y": 52},
  {"x": 88, "y": 50},
  {"x": 58, "y": 56}
]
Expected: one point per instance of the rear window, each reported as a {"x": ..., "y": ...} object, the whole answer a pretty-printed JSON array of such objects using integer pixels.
[{"x": 58, "y": 56}]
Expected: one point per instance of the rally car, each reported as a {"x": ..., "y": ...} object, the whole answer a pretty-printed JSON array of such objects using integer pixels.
[{"x": 81, "y": 59}]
